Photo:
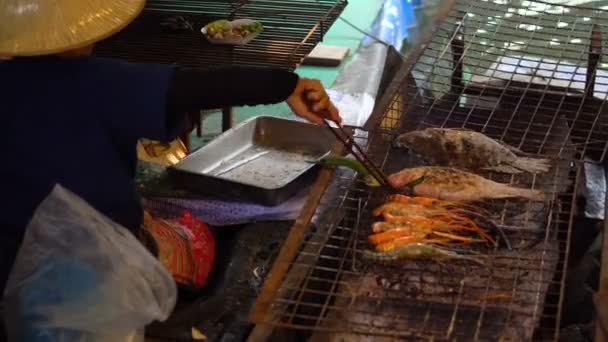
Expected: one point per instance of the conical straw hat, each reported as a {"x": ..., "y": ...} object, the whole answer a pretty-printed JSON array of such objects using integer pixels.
[{"x": 40, "y": 27}]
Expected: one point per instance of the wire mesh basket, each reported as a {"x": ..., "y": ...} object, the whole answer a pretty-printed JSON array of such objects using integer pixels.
[{"x": 169, "y": 31}]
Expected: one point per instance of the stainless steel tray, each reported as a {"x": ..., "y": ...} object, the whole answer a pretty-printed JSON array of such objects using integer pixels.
[{"x": 264, "y": 160}]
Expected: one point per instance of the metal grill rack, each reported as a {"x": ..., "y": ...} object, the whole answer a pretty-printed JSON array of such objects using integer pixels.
[
  {"x": 292, "y": 28},
  {"x": 525, "y": 73}
]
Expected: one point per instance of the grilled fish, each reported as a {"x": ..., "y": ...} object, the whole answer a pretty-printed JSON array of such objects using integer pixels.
[
  {"x": 456, "y": 185},
  {"x": 468, "y": 149}
]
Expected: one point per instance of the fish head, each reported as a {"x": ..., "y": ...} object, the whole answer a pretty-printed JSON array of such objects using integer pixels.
[
  {"x": 411, "y": 140},
  {"x": 405, "y": 177}
]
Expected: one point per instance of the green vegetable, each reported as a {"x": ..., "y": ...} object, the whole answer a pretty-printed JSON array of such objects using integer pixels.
[
  {"x": 415, "y": 182},
  {"x": 253, "y": 28},
  {"x": 218, "y": 25},
  {"x": 334, "y": 161},
  {"x": 224, "y": 25}
]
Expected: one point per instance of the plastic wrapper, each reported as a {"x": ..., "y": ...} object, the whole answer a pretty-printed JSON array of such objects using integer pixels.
[
  {"x": 185, "y": 246},
  {"x": 81, "y": 277}
]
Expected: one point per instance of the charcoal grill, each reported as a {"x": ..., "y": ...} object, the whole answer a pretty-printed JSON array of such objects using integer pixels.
[{"x": 525, "y": 73}]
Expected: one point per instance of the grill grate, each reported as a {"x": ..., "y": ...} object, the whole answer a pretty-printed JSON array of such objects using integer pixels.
[
  {"x": 464, "y": 77},
  {"x": 534, "y": 62},
  {"x": 291, "y": 31}
]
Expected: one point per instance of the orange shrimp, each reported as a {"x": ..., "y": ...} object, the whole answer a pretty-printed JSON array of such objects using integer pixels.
[
  {"x": 416, "y": 200},
  {"x": 426, "y": 217},
  {"x": 399, "y": 209},
  {"x": 406, "y": 219},
  {"x": 442, "y": 223},
  {"x": 383, "y": 226},
  {"x": 433, "y": 202},
  {"x": 401, "y": 235},
  {"x": 466, "y": 226},
  {"x": 395, "y": 207},
  {"x": 389, "y": 235},
  {"x": 447, "y": 219},
  {"x": 402, "y": 241}
]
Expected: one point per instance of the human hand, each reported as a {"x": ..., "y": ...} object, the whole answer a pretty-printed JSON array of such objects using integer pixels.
[{"x": 310, "y": 101}]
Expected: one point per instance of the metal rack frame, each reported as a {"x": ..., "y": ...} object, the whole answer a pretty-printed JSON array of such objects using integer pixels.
[{"x": 291, "y": 30}]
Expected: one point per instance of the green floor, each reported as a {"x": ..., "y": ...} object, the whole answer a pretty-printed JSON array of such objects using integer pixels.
[{"x": 361, "y": 13}]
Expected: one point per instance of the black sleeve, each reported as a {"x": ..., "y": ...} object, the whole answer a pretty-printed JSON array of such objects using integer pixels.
[{"x": 194, "y": 89}]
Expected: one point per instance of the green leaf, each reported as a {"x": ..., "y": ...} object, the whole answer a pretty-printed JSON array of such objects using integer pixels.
[
  {"x": 371, "y": 181},
  {"x": 415, "y": 182},
  {"x": 218, "y": 25},
  {"x": 334, "y": 161}
]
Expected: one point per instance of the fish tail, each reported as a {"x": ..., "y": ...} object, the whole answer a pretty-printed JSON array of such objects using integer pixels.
[
  {"x": 533, "y": 165},
  {"x": 531, "y": 194}
]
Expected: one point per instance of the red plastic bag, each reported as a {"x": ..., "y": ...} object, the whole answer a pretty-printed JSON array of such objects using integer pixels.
[{"x": 185, "y": 247}]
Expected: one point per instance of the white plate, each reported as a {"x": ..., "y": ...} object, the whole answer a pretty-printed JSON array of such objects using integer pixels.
[{"x": 232, "y": 41}]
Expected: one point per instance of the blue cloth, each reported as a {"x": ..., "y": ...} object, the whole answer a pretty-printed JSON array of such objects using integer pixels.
[{"x": 76, "y": 122}]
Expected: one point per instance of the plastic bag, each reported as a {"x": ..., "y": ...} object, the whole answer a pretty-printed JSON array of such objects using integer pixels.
[
  {"x": 79, "y": 276},
  {"x": 185, "y": 246}
]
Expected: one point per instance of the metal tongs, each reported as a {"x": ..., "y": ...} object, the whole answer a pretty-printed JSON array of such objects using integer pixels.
[{"x": 352, "y": 146}]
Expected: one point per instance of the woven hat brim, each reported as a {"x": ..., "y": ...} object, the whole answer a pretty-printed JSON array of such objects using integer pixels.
[{"x": 42, "y": 27}]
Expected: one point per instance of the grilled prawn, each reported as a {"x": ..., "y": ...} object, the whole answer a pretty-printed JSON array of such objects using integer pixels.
[{"x": 417, "y": 251}]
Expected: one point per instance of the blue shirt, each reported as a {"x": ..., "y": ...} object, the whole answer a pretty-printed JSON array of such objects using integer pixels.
[{"x": 76, "y": 122}]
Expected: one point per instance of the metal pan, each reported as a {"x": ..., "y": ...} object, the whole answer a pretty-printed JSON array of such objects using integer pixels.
[{"x": 264, "y": 160}]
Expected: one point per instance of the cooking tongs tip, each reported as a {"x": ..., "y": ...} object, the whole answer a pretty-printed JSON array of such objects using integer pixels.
[{"x": 352, "y": 146}]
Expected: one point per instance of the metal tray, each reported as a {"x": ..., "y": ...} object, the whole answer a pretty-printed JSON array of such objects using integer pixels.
[{"x": 265, "y": 160}]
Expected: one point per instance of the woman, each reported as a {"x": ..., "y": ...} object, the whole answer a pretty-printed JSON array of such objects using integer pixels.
[{"x": 73, "y": 119}]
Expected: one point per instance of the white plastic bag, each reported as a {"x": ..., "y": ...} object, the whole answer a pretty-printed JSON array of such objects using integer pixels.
[{"x": 79, "y": 276}]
